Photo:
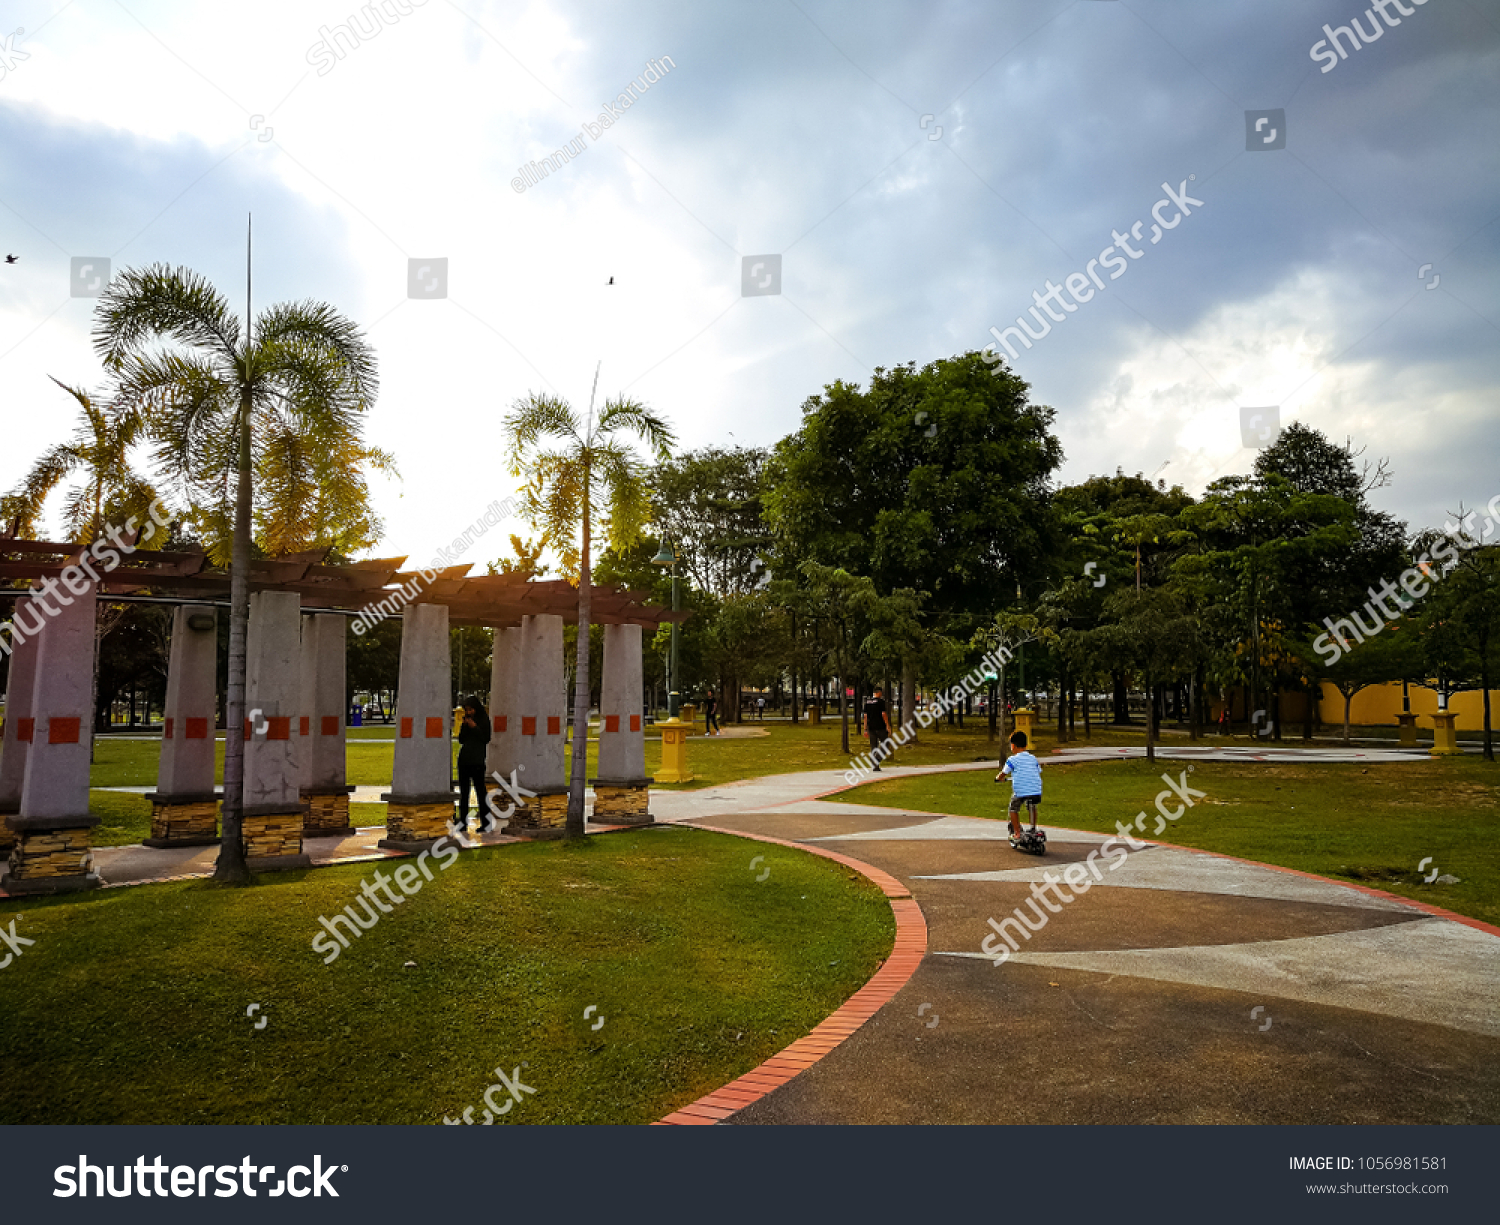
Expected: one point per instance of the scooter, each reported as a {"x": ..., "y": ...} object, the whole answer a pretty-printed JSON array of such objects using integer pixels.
[{"x": 1032, "y": 841}]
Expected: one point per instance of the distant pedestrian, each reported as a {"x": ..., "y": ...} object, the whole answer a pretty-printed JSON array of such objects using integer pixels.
[
  {"x": 473, "y": 740},
  {"x": 711, "y": 715},
  {"x": 760, "y": 709},
  {"x": 877, "y": 725}
]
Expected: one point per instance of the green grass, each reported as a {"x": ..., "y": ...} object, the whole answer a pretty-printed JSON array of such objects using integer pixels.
[
  {"x": 1369, "y": 825},
  {"x": 131, "y": 1007}
]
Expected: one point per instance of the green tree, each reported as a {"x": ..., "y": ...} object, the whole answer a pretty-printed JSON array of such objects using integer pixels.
[
  {"x": 209, "y": 393},
  {"x": 592, "y": 474},
  {"x": 113, "y": 489}
]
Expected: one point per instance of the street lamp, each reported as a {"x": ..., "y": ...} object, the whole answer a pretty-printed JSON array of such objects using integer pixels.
[{"x": 667, "y": 556}]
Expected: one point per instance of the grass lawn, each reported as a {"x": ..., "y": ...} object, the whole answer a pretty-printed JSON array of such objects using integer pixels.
[
  {"x": 131, "y": 1007},
  {"x": 126, "y": 819},
  {"x": 1369, "y": 825}
]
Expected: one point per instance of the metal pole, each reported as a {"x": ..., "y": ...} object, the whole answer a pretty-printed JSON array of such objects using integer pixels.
[{"x": 674, "y": 699}]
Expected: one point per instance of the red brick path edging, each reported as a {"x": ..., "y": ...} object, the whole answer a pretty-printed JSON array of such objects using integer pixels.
[{"x": 910, "y": 947}]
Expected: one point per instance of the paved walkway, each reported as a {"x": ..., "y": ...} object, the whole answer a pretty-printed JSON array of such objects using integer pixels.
[{"x": 1183, "y": 988}]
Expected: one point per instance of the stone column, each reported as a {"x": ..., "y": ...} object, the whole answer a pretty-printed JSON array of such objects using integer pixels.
[
  {"x": 320, "y": 728},
  {"x": 19, "y": 725},
  {"x": 621, "y": 792},
  {"x": 504, "y": 754},
  {"x": 272, "y": 831},
  {"x": 184, "y": 806},
  {"x": 51, "y": 853},
  {"x": 420, "y": 802},
  {"x": 542, "y": 704}
]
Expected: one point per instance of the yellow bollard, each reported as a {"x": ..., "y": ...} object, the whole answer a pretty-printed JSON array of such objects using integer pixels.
[
  {"x": 688, "y": 713},
  {"x": 1408, "y": 724},
  {"x": 1445, "y": 734},
  {"x": 1024, "y": 718},
  {"x": 814, "y": 715},
  {"x": 674, "y": 733}
]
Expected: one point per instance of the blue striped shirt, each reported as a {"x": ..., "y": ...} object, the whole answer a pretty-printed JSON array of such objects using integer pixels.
[{"x": 1025, "y": 774}]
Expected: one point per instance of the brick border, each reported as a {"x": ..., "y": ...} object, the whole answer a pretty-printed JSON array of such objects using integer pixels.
[{"x": 906, "y": 955}]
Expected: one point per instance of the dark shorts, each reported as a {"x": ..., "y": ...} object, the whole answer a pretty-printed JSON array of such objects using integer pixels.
[{"x": 1017, "y": 800}]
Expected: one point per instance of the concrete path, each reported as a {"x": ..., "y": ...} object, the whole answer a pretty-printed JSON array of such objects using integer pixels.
[
  {"x": 1183, "y": 987},
  {"x": 1266, "y": 751}
]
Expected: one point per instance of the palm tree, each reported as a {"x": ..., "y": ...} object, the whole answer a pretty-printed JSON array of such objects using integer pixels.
[
  {"x": 592, "y": 472},
  {"x": 111, "y": 492},
  {"x": 100, "y": 450},
  {"x": 212, "y": 399}
]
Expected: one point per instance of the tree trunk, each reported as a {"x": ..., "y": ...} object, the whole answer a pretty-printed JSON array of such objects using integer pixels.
[
  {"x": 1122, "y": 698},
  {"x": 1088, "y": 730},
  {"x": 843, "y": 712},
  {"x": 1348, "y": 701},
  {"x": 580, "y": 771},
  {"x": 1150, "y": 721},
  {"x": 909, "y": 697},
  {"x": 1062, "y": 708},
  {"x": 1484, "y": 682},
  {"x": 230, "y": 867}
]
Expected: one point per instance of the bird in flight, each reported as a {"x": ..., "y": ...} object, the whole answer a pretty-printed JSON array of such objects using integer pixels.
[{"x": 10, "y": 259}]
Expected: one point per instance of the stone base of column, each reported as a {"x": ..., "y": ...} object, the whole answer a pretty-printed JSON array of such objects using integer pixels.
[
  {"x": 49, "y": 855},
  {"x": 416, "y": 822},
  {"x": 325, "y": 814},
  {"x": 622, "y": 802},
  {"x": 7, "y": 835},
  {"x": 505, "y": 800},
  {"x": 183, "y": 820},
  {"x": 272, "y": 839},
  {"x": 546, "y": 816}
]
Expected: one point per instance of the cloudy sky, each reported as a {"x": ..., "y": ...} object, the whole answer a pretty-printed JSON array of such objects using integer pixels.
[{"x": 920, "y": 169}]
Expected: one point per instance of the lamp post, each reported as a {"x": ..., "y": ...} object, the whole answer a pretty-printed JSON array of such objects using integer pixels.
[{"x": 667, "y": 556}]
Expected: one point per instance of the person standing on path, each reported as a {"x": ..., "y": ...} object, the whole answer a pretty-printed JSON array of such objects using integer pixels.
[
  {"x": 711, "y": 715},
  {"x": 877, "y": 727},
  {"x": 760, "y": 710},
  {"x": 473, "y": 737}
]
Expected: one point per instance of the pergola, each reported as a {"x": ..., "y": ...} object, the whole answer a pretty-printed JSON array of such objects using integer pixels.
[{"x": 294, "y": 784}]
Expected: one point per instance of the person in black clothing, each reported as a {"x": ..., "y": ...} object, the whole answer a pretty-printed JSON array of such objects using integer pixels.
[
  {"x": 473, "y": 739},
  {"x": 877, "y": 728},
  {"x": 711, "y": 715}
]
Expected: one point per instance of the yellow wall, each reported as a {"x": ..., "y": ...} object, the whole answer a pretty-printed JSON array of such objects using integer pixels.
[
  {"x": 1382, "y": 703},
  {"x": 1376, "y": 705}
]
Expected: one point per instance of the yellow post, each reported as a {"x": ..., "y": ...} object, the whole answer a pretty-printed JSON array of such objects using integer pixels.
[
  {"x": 674, "y": 769},
  {"x": 689, "y": 715},
  {"x": 1408, "y": 724},
  {"x": 1445, "y": 734},
  {"x": 1025, "y": 717},
  {"x": 814, "y": 715}
]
